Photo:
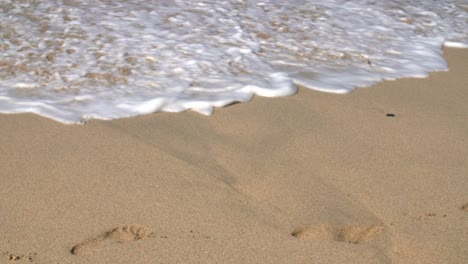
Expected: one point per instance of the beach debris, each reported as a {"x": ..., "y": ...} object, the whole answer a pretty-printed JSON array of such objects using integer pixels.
[
  {"x": 365, "y": 58},
  {"x": 390, "y": 115},
  {"x": 15, "y": 257}
]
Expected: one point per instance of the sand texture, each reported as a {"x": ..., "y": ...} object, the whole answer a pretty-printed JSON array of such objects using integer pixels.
[{"x": 376, "y": 176}]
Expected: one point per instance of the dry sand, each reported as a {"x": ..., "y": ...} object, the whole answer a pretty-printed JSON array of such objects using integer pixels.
[{"x": 311, "y": 178}]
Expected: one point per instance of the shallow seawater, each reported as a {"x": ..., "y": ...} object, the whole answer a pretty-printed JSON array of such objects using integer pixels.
[{"x": 73, "y": 60}]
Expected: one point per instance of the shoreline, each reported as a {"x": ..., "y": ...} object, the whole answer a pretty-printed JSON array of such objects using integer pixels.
[{"x": 310, "y": 177}]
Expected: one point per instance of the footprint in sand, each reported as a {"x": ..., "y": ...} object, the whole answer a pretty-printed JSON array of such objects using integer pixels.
[
  {"x": 119, "y": 234},
  {"x": 352, "y": 234},
  {"x": 465, "y": 207}
]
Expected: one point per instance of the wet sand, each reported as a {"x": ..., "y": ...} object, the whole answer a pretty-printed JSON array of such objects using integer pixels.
[{"x": 375, "y": 176}]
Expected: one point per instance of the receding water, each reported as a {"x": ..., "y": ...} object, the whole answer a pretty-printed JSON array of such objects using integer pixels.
[{"x": 75, "y": 60}]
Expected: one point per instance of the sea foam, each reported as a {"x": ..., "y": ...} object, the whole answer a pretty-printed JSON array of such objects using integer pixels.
[{"x": 74, "y": 60}]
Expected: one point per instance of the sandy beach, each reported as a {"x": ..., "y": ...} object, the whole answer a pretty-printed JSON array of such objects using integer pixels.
[{"x": 379, "y": 175}]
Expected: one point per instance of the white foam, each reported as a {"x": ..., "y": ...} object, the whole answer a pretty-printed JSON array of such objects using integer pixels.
[{"x": 74, "y": 60}]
